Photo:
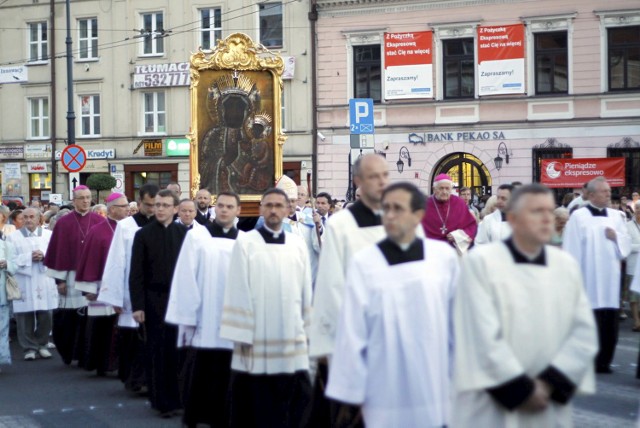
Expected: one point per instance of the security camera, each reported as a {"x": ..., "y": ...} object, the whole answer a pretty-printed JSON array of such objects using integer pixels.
[{"x": 321, "y": 136}]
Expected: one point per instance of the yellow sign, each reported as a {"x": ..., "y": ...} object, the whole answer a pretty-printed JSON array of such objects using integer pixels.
[{"x": 152, "y": 147}]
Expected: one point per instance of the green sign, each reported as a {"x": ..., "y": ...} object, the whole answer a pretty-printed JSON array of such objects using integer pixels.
[{"x": 177, "y": 147}]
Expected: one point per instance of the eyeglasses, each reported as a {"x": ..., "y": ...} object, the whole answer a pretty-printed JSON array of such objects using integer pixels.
[{"x": 165, "y": 206}]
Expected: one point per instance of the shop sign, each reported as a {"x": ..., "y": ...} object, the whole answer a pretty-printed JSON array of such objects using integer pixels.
[
  {"x": 11, "y": 152},
  {"x": 94, "y": 153},
  {"x": 178, "y": 146},
  {"x": 152, "y": 147},
  {"x": 37, "y": 167},
  {"x": 37, "y": 151},
  {"x": 14, "y": 74},
  {"x": 161, "y": 75}
]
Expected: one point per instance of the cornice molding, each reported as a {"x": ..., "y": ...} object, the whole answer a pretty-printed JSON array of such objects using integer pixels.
[{"x": 372, "y": 7}]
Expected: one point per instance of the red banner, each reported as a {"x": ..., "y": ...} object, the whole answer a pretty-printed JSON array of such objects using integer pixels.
[
  {"x": 576, "y": 172},
  {"x": 502, "y": 42},
  {"x": 408, "y": 48}
]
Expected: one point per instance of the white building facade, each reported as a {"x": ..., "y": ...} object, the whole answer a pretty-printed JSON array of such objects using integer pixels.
[{"x": 130, "y": 87}]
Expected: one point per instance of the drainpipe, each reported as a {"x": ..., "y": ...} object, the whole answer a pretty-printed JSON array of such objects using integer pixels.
[
  {"x": 313, "y": 18},
  {"x": 52, "y": 106}
]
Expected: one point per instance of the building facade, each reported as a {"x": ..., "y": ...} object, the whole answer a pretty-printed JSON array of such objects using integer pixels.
[
  {"x": 130, "y": 86},
  {"x": 441, "y": 104}
]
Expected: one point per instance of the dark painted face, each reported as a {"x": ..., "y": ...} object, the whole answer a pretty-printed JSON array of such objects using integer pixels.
[{"x": 234, "y": 110}]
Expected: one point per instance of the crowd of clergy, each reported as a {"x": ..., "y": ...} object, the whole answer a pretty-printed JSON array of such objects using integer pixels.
[{"x": 396, "y": 310}]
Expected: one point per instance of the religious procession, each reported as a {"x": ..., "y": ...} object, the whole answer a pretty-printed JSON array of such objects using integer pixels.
[{"x": 393, "y": 310}]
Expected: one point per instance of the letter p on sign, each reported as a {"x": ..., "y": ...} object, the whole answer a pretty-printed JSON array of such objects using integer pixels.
[{"x": 361, "y": 116}]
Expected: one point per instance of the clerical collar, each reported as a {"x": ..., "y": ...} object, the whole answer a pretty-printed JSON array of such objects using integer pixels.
[
  {"x": 141, "y": 219},
  {"x": 503, "y": 216},
  {"x": 204, "y": 213},
  {"x": 218, "y": 231},
  {"x": 595, "y": 211},
  {"x": 519, "y": 257},
  {"x": 271, "y": 236},
  {"x": 396, "y": 255},
  {"x": 81, "y": 214},
  {"x": 364, "y": 216}
]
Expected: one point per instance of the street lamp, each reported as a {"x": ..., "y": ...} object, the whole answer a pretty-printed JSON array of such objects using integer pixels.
[
  {"x": 403, "y": 154},
  {"x": 502, "y": 150}
]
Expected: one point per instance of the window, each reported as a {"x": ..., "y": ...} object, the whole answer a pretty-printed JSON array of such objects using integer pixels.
[
  {"x": 624, "y": 58},
  {"x": 38, "y": 42},
  {"x": 88, "y": 38},
  {"x": 211, "y": 30},
  {"x": 154, "y": 113},
  {"x": 39, "y": 117},
  {"x": 270, "y": 15},
  {"x": 629, "y": 149},
  {"x": 153, "y": 27},
  {"x": 550, "y": 149},
  {"x": 90, "y": 115},
  {"x": 367, "y": 69},
  {"x": 459, "y": 68},
  {"x": 552, "y": 65}
]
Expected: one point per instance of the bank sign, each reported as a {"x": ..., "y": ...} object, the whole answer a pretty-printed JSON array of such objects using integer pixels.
[{"x": 575, "y": 172}]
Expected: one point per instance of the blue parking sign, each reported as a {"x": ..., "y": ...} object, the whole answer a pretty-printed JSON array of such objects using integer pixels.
[{"x": 361, "y": 116}]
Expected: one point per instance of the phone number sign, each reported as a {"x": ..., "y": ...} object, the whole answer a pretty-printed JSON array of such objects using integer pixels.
[{"x": 161, "y": 75}]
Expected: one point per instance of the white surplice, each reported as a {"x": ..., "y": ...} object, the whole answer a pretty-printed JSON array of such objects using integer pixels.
[
  {"x": 518, "y": 318},
  {"x": 342, "y": 238},
  {"x": 197, "y": 289},
  {"x": 114, "y": 289},
  {"x": 266, "y": 305},
  {"x": 599, "y": 258},
  {"x": 492, "y": 229},
  {"x": 39, "y": 291},
  {"x": 393, "y": 350}
]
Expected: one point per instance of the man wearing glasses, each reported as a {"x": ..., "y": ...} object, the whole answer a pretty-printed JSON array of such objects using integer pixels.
[{"x": 153, "y": 259}]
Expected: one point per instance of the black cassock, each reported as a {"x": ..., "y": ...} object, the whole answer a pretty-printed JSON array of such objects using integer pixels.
[{"x": 153, "y": 260}]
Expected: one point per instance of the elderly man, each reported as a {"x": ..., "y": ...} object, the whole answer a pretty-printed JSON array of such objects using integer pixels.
[
  {"x": 203, "y": 200},
  {"x": 447, "y": 217},
  {"x": 33, "y": 312},
  {"x": 187, "y": 211},
  {"x": 266, "y": 307},
  {"x": 102, "y": 318},
  {"x": 395, "y": 339},
  {"x": 495, "y": 227},
  {"x": 62, "y": 260},
  {"x": 510, "y": 371},
  {"x": 597, "y": 237},
  {"x": 347, "y": 232}
]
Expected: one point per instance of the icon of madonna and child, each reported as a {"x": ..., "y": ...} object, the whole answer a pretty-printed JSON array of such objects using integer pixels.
[{"x": 236, "y": 152}]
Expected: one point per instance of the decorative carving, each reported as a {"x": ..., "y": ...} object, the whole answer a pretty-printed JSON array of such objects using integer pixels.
[
  {"x": 551, "y": 143},
  {"x": 625, "y": 143}
]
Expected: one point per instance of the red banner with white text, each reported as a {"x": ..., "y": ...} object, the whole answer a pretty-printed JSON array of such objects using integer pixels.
[
  {"x": 501, "y": 60},
  {"x": 576, "y": 172}
]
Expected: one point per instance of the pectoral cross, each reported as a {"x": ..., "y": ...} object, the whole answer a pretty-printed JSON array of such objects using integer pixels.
[{"x": 443, "y": 229}]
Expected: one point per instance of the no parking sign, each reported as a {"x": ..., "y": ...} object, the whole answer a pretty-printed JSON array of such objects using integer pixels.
[{"x": 73, "y": 158}]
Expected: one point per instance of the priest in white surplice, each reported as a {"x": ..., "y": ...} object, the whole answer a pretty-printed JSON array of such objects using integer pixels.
[
  {"x": 345, "y": 233},
  {"x": 33, "y": 312},
  {"x": 495, "y": 226},
  {"x": 266, "y": 308},
  {"x": 524, "y": 330},
  {"x": 195, "y": 305},
  {"x": 598, "y": 238},
  {"x": 114, "y": 289},
  {"x": 394, "y": 344}
]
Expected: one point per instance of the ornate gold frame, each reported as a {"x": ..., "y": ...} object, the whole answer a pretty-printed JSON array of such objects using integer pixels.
[{"x": 236, "y": 53}]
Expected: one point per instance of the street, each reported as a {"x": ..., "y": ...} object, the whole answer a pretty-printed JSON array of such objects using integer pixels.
[{"x": 48, "y": 394}]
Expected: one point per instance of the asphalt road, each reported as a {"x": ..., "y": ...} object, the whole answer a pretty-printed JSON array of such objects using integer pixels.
[{"x": 46, "y": 393}]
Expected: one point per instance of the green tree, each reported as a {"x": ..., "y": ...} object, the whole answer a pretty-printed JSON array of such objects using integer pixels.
[{"x": 100, "y": 182}]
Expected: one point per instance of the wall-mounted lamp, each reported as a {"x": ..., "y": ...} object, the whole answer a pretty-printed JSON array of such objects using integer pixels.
[
  {"x": 403, "y": 154},
  {"x": 502, "y": 150}
]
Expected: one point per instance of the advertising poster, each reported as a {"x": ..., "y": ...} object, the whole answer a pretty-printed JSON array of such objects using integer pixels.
[
  {"x": 408, "y": 62},
  {"x": 575, "y": 172},
  {"x": 501, "y": 60}
]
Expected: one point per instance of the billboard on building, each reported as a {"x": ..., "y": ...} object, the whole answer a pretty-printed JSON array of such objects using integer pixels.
[
  {"x": 575, "y": 172},
  {"x": 408, "y": 65},
  {"x": 501, "y": 60}
]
